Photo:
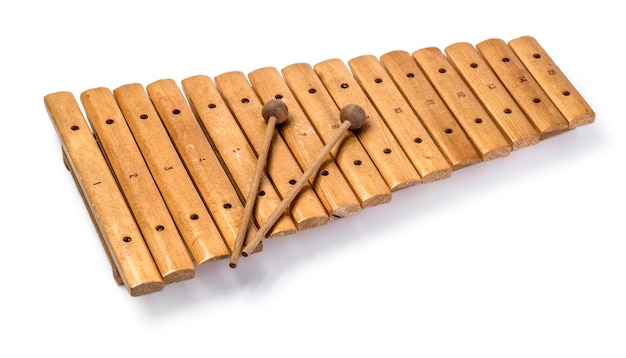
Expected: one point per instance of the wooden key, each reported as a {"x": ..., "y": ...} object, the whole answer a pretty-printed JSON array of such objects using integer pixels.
[
  {"x": 300, "y": 136},
  {"x": 144, "y": 199},
  {"x": 468, "y": 111},
  {"x": 352, "y": 117},
  {"x": 234, "y": 150},
  {"x": 211, "y": 180},
  {"x": 107, "y": 205},
  {"x": 192, "y": 218},
  {"x": 359, "y": 170},
  {"x": 430, "y": 108},
  {"x": 523, "y": 88},
  {"x": 553, "y": 81},
  {"x": 282, "y": 167},
  {"x": 493, "y": 95},
  {"x": 116, "y": 274},
  {"x": 375, "y": 136},
  {"x": 275, "y": 112},
  {"x": 417, "y": 143}
]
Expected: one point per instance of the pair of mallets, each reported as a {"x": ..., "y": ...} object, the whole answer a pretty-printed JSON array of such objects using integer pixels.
[{"x": 275, "y": 112}]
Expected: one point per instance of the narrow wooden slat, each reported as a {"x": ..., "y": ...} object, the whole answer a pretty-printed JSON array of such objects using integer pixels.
[
  {"x": 202, "y": 163},
  {"x": 122, "y": 237},
  {"x": 417, "y": 143},
  {"x": 354, "y": 162},
  {"x": 523, "y": 88},
  {"x": 430, "y": 108},
  {"x": 143, "y": 197},
  {"x": 493, "y": 95},
  {"x": 375, "y": 136},
  {"x": 282, "y": 168},
  {"x": 553, "y": 81},
  {"x": 234, "y": 150},
  {"x": 194, "y": 222},
  {"x": 303, "y": 141},
  {"x": 468, "y": 111}
]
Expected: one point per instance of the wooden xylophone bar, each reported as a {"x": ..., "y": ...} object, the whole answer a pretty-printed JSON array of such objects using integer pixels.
[{"x": 164, "y": 170}]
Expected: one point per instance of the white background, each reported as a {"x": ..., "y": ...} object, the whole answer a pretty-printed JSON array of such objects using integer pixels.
[{"x": 524, "y": 256}]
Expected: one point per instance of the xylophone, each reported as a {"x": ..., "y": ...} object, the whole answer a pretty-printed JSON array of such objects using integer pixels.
[{"x": 166, "y": 171}]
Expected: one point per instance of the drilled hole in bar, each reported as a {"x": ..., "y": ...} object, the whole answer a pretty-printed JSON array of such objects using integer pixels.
[
  {"x": 194, "y": 216},
  {"x": 378, "y": 80},
  {"x": 357, "y": 162},
  {"x": 508, "y": 110},
  {"x": 312, "y": 90},
  {"x": 473, "y": 65},
  {"x": 176, "y": 111},
  {"x": 566, "y": 93},
  {"x": 345, "y": 85},
  {"x": 536, "y": 100},
  {"x": 387, "y": 151},
  {"x": 279, "y": 96},
  {"x": 324, "y": 173},
  {"x": 417, "y": 140},
  {"x": 109, "y": 121},
  {"x": 74, "y": 128},
  {"x": 410, "y": 75},
  {"x": 442, "y": 70},
  {"x": 262, "y": 193},
  {"x": 536, "y": 55},
  {"x": 159, "y": 228},
  {"x": 478, "y": 120},
  {"x": 143, "y": 116},
  {"x": 212, "y": 105},
  {"x": 127, "y": 239},
  {"x": 227, "y": 206},
  {"x": 506, "y": 59},
  {"x": 448, "y": 130},
  {"x": 245, "y": 100},
  {"x": 293, "y": 182}
]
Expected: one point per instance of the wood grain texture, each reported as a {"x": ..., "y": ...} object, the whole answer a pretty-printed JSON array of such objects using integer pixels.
[
  {"x": 523, "y": 88},
  {"x": 282, "y": 167},
  {"x": 141, "y": 192},
  {"x": 375, "y": 136},
  {"x": 366, "y": 181},
  {"x": 495, "y": 98},
  {"x": 402, "y": 121},
  {"x": 192, "y": 218},
  {"x": 303, "y": 141},
  {"x": 202, "y": 163},
  {"x": 122, "y": 237},
  {"x": 553, "y": 81},
  {"x": 475, "y": 121},
  {"x": 234, "y": 149}
]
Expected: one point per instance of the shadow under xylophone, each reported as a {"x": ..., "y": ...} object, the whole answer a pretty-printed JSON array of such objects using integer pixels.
[{"x": 165, "y": 172}]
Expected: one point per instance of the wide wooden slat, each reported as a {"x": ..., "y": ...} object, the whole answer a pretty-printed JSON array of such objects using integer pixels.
[
  {"x": 493, "y": 95},
  {"x": 283, "y": 169},
  {"x": 194, "y": 222},
  {"x": 553, "y": 81},
  {"x": 375, "y": 136},
  {"x": 303, "y": 141},
  {"x": 468, "y": 111},
  {"x": 523, "y": 88},
  {"x": 234, "y": 150},
  {"x": 354, "y": 162},
  {"x": 122, "y": 237},
  {"x": 419, "y": 147},
  {"x": 202, "y": 163},
  {"x": 141, "y": 192}
]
